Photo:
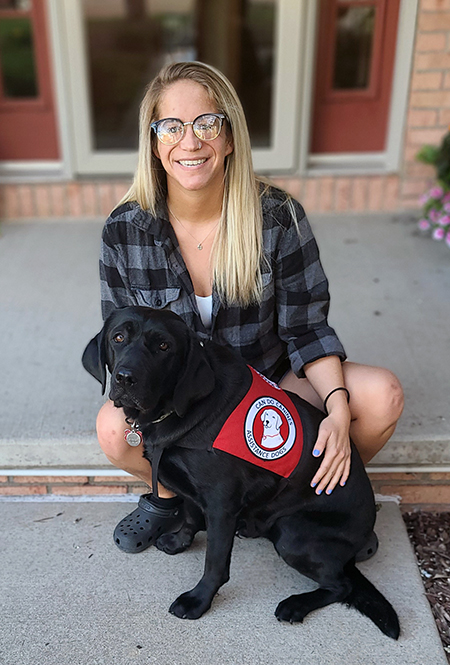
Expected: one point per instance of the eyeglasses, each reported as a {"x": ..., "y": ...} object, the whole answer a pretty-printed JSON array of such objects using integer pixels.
[{"x": 206, "y": 127}]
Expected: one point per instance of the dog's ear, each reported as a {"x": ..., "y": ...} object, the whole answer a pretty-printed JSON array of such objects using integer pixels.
[
  {"x": 197, "y": 380},
  {"x": 94, "y": 358}
]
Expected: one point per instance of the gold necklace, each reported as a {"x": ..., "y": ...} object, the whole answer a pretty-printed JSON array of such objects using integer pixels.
[{"x": 199, "y": 244}]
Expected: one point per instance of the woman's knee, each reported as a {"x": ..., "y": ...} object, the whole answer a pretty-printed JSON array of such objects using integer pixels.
[
  {"x": 110, "y": 431},
  {"x": 381, "y": 396}
]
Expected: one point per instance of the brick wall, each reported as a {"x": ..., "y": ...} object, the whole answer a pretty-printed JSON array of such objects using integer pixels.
[
  {"x": 429, "y": 101},
  {"x": 417, "y": 490}
]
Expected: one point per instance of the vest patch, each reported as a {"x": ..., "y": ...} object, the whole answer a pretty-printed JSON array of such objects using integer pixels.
[{"x": 264, "y": 429}]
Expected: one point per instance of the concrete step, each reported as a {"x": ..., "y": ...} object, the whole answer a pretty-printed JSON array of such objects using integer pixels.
[{"x": 69, "y": 596}]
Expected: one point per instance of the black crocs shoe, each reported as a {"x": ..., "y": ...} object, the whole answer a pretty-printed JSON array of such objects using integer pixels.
[
  {"x": 369, "y": 549},
  {"x": 146, "y": 524}
]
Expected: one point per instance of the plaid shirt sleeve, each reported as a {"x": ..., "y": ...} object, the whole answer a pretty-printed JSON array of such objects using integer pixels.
[
  {"x": 301, "y": 294},
  {"x": 115, "y": 288}
]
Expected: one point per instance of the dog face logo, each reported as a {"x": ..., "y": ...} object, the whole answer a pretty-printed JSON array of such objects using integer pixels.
[
  {"x": 272, "y": 422},
  {"x": 269, "y": 429}
]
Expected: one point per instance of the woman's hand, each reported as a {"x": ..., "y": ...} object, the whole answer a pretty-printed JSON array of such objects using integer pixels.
[{"x": 333, "y": 438}]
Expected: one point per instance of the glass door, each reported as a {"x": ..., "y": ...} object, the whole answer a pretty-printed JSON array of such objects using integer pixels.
[{"x": 116, "y": 47}]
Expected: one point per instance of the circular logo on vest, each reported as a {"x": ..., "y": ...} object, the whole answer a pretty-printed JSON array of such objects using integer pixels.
[{"x": 269, "y": 429}]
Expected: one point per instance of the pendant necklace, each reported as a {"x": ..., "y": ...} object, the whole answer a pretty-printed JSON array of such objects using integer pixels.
[{"x": 199, "y": 244}]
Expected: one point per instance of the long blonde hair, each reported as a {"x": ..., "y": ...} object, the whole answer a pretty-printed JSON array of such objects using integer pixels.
[{"x": 237, "y": 253}]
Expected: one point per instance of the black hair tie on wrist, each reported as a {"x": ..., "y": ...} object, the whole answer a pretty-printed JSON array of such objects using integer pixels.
[{"x": 329, "y": 395}]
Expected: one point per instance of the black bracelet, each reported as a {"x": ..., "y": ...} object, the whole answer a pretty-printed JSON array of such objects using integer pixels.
[{"x": 329, "y": 395}]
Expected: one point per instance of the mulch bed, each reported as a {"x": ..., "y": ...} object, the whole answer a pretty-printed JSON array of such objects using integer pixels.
[{"x": 430, "y": 536}]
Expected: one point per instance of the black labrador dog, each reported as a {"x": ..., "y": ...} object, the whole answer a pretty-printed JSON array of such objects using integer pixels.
[{"x": 181, "y": 392}]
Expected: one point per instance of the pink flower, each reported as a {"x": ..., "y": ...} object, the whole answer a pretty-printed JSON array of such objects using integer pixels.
[
  {"x": 433, "y": 215},
  {"x": 424, "y": 224},
  {"x": 436, "y": 192},
  {"x": 447, "y": 239},
  {"x": 446, "y": 198},
  {"x": 446, "y": 206},
  {"x": 424, "y": 199},
  {"x": 438, "y": 234},
  {"x": 444, "y": 220}
]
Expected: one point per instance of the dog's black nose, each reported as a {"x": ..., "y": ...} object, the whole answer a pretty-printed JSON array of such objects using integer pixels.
[{"x": 125, "y": 378}]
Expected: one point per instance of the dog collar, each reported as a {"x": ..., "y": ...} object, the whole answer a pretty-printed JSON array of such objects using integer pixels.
[{"x": 163, "y": 417}]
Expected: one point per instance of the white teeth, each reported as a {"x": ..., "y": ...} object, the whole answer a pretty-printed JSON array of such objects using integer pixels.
[{"x": 192, "y": 162}]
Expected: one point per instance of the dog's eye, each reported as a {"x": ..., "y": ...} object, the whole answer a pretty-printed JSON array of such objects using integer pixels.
[
  {"x": 164, "y": 346},
  {"x": 119, "y": 338}
]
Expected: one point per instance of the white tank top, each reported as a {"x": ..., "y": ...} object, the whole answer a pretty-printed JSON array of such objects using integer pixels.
[{"x": 204, "y": 304}]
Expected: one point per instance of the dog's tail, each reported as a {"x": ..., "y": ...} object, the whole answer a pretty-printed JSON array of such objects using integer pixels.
[{"x": 370, "y": 602}]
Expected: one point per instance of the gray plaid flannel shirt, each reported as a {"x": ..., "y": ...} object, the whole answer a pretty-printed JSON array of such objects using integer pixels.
[{"x": 141, "y": 264}]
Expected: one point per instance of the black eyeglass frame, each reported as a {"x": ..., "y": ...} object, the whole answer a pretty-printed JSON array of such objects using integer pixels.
[{"x": 156, "y": 124}]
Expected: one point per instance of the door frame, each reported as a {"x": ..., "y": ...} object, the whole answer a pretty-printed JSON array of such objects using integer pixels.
[
  {"x": 386, "y": 161},
  {"x": 71, "y": 81}
]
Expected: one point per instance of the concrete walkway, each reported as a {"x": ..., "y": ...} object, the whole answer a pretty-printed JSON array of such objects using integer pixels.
[
  {"x": 390, "y": 305},
  {"x": 68, "y": 596}
]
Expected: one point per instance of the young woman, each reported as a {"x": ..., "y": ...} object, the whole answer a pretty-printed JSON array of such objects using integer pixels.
[{"x": 200, "y": 234}]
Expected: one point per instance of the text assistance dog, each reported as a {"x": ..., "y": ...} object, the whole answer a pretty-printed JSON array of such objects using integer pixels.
[{"x": 252, "y": 479}]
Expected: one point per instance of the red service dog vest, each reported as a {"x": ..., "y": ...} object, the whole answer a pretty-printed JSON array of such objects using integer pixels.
[{"x": 264, "y": 429}]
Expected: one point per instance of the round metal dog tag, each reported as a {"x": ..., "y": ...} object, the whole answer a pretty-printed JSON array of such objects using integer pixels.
[{"x": 133, "y": 437}]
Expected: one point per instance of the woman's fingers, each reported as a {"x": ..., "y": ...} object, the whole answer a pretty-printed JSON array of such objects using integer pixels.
[{"x": 335, "y": 467}]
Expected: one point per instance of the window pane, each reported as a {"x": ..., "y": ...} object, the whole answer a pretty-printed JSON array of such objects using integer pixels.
[
  {"x": 18, "y": 69},
  {"x": 23, "y": 5},
  {"x": 128, "y": 41},
  {"x": 354, "y": 45}
]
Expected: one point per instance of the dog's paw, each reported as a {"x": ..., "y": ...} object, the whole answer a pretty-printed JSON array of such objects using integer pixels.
[
  {"x": 291, "y": 609},
  {"x": 189, "y": 606},
  {"x": 174, "y": 543}
]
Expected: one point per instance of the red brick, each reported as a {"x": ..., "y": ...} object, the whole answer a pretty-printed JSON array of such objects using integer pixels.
[
  {"x": 25, "y": 490},
  {"x": 375, "y": 194},
  {"x": 439, "y": 20},
  {"x": 80, "y": 490},
  {"x": 311, "y": 195},
  {"x": 115, "y": 479},
  {"x": 434, "y": 41},
  {"x": 42, "y": 196},
  {"x": 419, "y": 493},
  {"x": 421, "y": 137},
  {"x": 106, "y": 198},
  {"x": 294, "y": 187},
  {"x": 26, "y": 203},
  {"x": 137, "y": 489},
  {"x": 410, "y": 203},
  {"x": 432, "y": 99},
  {"x": 10, "y": 202},
  {"x": 326, "y": 195},
  {"x": 343, "y": 191},
  {"x": 58, "y": 197},
  {"x": 439, "y": 475},
  {"x": 120, "y": 189},
  {"x": 360, "y": 194},
  {"x": 444, "y": 118},
  {"x": 74, "y": 199},
  {"x": 414, "y": 187},
  {"x": 427, "y": 81},
  {"x": 434, "y": 5},
  {"x": 391, "y": 193},
  {"x": 89, "y": 199},
  {"x": 48, "y": 480},
  {"x": 393, "y": 476},
  {"x": 422, "y": 118},
  {"x": 3, "y": 479}
]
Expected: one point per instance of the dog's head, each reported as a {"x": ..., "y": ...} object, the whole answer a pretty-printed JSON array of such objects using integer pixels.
[{"x": 157, "y": 363}]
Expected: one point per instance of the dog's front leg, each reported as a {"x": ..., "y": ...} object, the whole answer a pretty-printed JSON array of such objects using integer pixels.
[{"x": 220, "y": 534}]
